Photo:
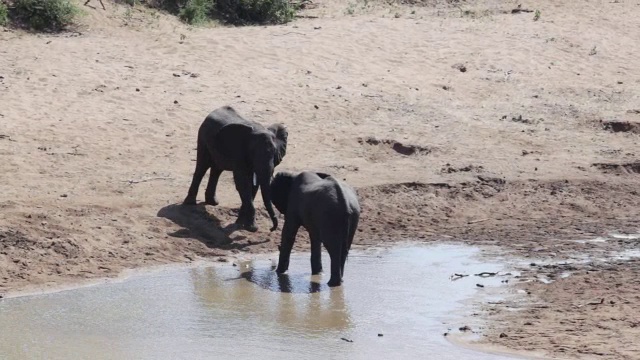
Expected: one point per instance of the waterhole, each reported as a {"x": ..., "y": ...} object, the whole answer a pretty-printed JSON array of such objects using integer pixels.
[{"x": 394, "y": 304}]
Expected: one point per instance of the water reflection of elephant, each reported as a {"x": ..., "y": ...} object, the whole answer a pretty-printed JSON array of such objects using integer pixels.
[{"x": 261, "y": 295}]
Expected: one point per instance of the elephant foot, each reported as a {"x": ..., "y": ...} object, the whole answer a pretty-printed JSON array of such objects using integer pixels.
[
  {"x": 333, "y": 282},
  {"x": 189, "y": 200},
  {"x": 251, "y": 227},
  {"x": 210, "y": 200},
  {"x": 280, "y": 270},
  {"x": 316, "y": 272},
  {"x": 248, "y": 227}
]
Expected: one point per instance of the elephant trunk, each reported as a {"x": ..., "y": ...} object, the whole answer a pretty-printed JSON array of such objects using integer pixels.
[{"x": 264, "y": 180}]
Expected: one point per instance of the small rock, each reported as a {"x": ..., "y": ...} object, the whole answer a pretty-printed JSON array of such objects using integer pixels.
[
  {"x": 175, "y": 101},
  {"x": 480, "y": 285},
  {"x": 380, "y": 335},
  {"x": 347, "y": 340},
  {"x": 316, "y": 107},
  {"x": 176, "y": 75},
  {"x": 137, "y": 89},
  {"x": 503, "y": 335},
  {"x": 63, "y": 195},
  {"x": 445, "y": 334},
  {"x": 465, "y": 328},
  {"x": 528, "y": 323},
  {"x": 620, "y": 83},
  {"x": 460, "y": 67}
]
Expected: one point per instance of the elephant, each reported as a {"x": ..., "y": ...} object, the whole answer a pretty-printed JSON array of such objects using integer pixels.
[
  {"x": 326, "y": 207},
  {"x": 228, "y": 141}
]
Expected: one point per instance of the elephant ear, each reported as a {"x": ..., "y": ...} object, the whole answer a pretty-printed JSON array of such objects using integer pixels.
[{"x": 232, "y": 141}]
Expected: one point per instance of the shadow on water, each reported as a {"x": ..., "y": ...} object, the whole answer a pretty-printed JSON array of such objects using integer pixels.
[
  {"x": 292, "y": 301},
  {"x": 197, "y": 223},
  {"x": 270, "y": 280}
]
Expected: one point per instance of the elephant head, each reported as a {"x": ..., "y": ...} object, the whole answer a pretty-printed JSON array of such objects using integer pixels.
[
  {"x": 254, "y": 151},
  {"x": 280, "y": 189}
]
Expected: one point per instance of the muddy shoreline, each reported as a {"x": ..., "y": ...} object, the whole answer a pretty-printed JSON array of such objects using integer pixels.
[{"x": 456, "y": 213}]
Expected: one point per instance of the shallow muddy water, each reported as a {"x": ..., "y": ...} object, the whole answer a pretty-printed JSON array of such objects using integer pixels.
[{"x": 215, "y": 312}]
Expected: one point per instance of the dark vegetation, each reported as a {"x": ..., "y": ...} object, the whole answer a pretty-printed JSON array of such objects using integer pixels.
[{"x": 57, "y": 15}]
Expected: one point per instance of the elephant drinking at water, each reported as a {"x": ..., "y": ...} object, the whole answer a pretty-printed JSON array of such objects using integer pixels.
[
  {"x": 328, "y": 208},
  {"x": 227, "y": 141}
]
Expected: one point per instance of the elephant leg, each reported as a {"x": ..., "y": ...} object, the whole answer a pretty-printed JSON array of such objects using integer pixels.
[
  {"x": 210, "y": 194},
  {"x": 203, "y": 162},
  {"x": 289, "y": 232},
  {"x": 316, "y": 255},
  {"x": 353, "y": 226},
  {"x": 254, "y": 191},
  {"x": 247, "y": 214},
  {"x": 335, "y": 252}
]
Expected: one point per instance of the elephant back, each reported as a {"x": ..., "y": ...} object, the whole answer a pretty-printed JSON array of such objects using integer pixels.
[{"x": 221, "y": 117}]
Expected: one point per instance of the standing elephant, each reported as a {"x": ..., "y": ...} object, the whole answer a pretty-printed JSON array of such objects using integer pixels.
[
  {"x": 328, "y": 208},
  {"x": 227, "y": 141}
]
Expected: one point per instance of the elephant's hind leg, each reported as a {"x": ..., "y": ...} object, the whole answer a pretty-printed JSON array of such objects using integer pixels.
[
  {"x": 316, "y": 254},
  {"x": 353, "y": 226},
  {"x": 203, "y": 162},
  {"x": 333, "y": 240}
]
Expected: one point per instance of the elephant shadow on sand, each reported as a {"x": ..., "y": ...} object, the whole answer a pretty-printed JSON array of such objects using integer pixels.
[{"x": 197, "y": 223}]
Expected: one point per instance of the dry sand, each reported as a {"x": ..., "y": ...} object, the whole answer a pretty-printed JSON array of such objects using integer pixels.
[{"x": 98, "y": 130}]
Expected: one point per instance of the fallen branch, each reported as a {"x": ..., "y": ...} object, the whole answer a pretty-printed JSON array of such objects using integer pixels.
[
  {"x": 519, "y": 9},
  {"x": 593, "y": 303},
  {"x": 457, "y": 276},
  {"x": 103, "y": 8},
  {"x": 147, "y": 180},
  {"x": 478, "y": 221},
  {"x": 6, "y": 137},
  {"x": 486, "y": 274},
  {"x": 290, "y": 32}
]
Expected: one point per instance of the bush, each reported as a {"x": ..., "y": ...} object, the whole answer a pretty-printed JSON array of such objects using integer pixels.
[
  {"x": 196, "y": 11},
  {"x": 236, "y": 12},
  {"x": 4, "y": 14},
  {"x": 53, "y": 15},
  {"x": 242, "y": 12}
]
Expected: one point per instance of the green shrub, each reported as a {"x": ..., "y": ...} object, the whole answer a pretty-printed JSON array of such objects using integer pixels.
[
  {"x": 242, "y": 12},
  {"x": 41, "y": 15},
  {"x": 236, "y": 12},
  {"x": 4, "y": 14},
  {"x": 196, "y": 11}
]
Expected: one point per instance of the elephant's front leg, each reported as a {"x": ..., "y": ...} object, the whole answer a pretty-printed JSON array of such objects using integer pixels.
[
  {"x": 316, "y": 255},
  {"x": 210, "y": 193},
  {"x": 289, "y": 232},
  {"x": 247, "y": 216}
]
